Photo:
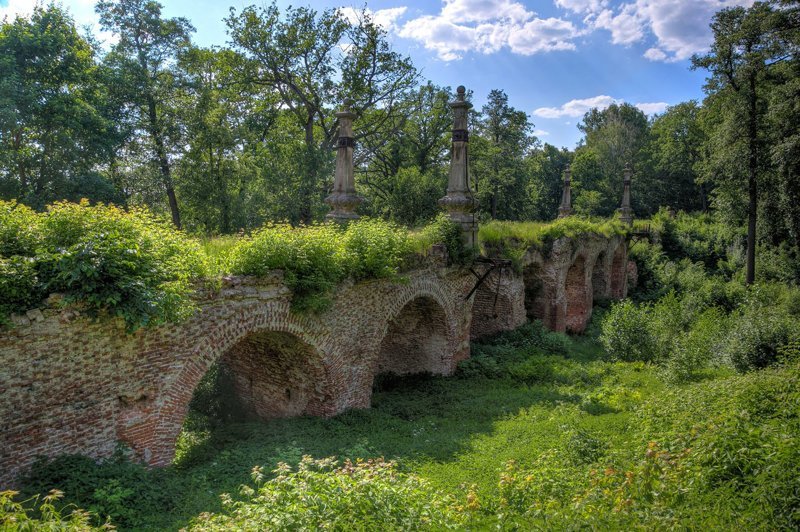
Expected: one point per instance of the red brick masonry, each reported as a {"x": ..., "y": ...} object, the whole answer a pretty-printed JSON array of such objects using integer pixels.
[{"x": 71, "y": 385}]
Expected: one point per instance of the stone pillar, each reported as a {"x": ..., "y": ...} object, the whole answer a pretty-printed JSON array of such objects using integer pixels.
[
  {"x": 625, "y": 211},
  {"x": 343, "y": 200},
  {"x": 566, "y": 196},
  {"x": 459, "y": 202}
]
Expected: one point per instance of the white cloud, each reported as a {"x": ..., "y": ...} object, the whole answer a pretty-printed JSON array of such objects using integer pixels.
[
  {"x": 652, "y": 108},
  {"x": 626, "y": 27},
  {"x": 575, "y": 108},
  {"x": 484, "y": 10},
  {"x": 582, "y": 6},
  {"x": 385, "y": 18},
  {"x": 487, "y": 26},
  {"x": 540, "y": 133},
  {"x": 578, "y": 108},
  {"x": 678, "y": 27}
]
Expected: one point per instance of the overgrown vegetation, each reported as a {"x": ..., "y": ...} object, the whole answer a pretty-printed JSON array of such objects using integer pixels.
[
  {"x": 537, "y": 430},
  {"x": 694, "y": 311},
  {"x": 134, "y": 265},
  {"x": 512, "y": 239},
  {"x": 111, "y": 261}
]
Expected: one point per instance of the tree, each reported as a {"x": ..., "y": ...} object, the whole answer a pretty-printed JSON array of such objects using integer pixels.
[
  {"x": 617, "y": 136},
  {"x": 314, "y": 61},
  {"x": 502, "y": 141},
  {"x": 404, "y": 177},
  {"x": 145, "y": 59},
  {"x": 546, "y": 184},
  {"x": 746, "y": 46},
  {"x": 56, "y": 123},
  {"x": 676, "y": 148}
]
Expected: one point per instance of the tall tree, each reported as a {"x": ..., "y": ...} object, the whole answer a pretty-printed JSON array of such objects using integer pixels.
[
  {"x": 617, "y": 136},
  {"x": 498, "y": 151},
  {"x": 746, "y": 45},
  {"x": 314, "y": 61},
  {"x": 145, "y": 59},
  {"x": 676, "y": 148},
  {"x": 56, "y": 125}
]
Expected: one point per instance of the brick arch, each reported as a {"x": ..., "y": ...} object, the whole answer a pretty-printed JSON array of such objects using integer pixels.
[
  {"x": 601, "y": 287},
  {"x": 537, "y": 306},
  {"x": 247, "y": 339},
  {"x": 619, "y": 272},
  {"x": 417, "y": 340},
  {"x": 492, "y": 308},
  {"x": 578, "y": 296}
]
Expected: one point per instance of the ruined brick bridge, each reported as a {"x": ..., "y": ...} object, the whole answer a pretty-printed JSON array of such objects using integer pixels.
[{"x": 73, "y": 385}]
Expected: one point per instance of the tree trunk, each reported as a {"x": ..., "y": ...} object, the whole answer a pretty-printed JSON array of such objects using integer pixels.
[
  {"x": 752, "y": 185},
  {"x": 308, "y": 180},
  {"x": 163, "y": 161}
]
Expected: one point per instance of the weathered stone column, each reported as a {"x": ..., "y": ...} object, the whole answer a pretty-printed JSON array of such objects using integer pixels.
[
  {"x": 459, "y": 202},
  {"x": 625, "y": 211},
  {"x": 343, "y": 200},
  {"x": 566, "y": 196}
]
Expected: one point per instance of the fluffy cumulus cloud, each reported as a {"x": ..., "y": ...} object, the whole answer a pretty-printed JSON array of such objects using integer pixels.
[
  {"x": 679, "y": 28},
  {"x": 488, "y": 26},
  {"x": 578, "y": 108}
]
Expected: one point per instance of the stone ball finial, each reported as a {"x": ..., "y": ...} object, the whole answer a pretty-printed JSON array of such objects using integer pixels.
[{"x": 460, "y": 92}]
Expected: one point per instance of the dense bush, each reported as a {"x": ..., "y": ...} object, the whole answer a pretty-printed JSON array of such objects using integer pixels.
[
  {"x": 115, "y": 489},
  {"x": 316, "y": 258},
  {"x": 443, "y": 231},
  {"x": 110, "y": 261},
  {"x": 512, "y": 239},
  {"x": 626, "y": 333},
  {"x": 323, "y": 495}
]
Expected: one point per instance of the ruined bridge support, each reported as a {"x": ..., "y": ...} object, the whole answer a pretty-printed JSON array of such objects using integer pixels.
[{"x": 71, "y": 385}]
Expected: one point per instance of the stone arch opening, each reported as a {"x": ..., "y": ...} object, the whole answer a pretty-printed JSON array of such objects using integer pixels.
[
  {"x": 535, "y": 298},
  {"x": 619, "y": 272},
  {"x": 600, "y": 288},
  {"x": 492, "y": 308},
  {"x": 275, "y": 374},
  {"x": 578, "y": 297},
  {"x": 416, "y": 340}
]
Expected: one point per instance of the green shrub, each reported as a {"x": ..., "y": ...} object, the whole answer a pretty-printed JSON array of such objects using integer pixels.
[
  {"x": 20, "y": 288},
  {"x": 32, "y": 515},
  {"x": 110, "y": 261},
  {"x": 626, "y": 334},
  {"x": 443, "y": 231},
  {"x": 311, "y": 258},
  {"x": 316, "y": 258},
  {"x": 374, "y": 249},
  {"x": 19, "y": 230},
  {"x": 114, "y": 489},
  {"x": 321, "y": 494},
  {"x": 755, "y": 336},
  {"x": 697, "y": 349}
]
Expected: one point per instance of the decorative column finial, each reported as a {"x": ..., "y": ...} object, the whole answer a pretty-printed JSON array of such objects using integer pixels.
[
  {"x": 343, "y": 199},
  {"x": 459, "y": 202},
  {"x": 625, "y": 211},
  {"x": 566, "y": 196}
]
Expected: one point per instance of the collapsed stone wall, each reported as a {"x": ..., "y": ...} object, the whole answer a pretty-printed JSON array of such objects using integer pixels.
[{"x": 72, "y": 385}]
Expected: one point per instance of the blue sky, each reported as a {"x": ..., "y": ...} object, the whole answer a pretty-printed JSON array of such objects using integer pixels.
[{"x": 554, "y": 58}]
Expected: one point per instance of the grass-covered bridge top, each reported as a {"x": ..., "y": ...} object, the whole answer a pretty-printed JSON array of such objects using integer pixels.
[{"x": 131, "y": 264}]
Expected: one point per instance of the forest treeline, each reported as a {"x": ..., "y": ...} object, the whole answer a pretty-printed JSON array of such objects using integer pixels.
[{"x": 223, "y": 139}]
